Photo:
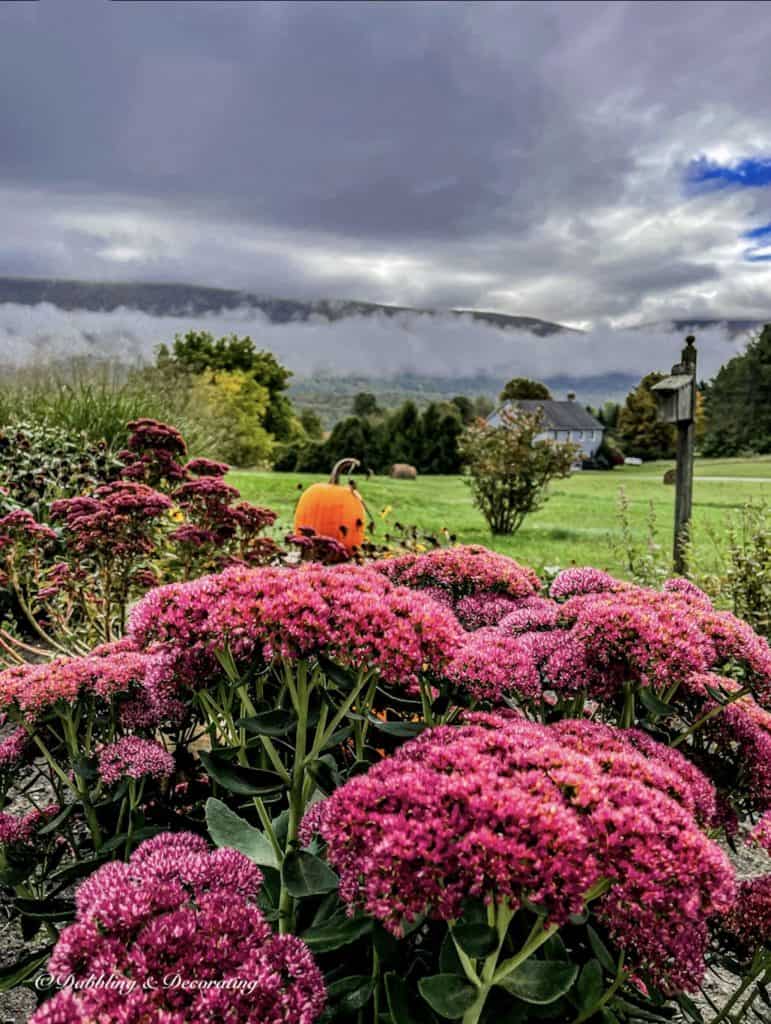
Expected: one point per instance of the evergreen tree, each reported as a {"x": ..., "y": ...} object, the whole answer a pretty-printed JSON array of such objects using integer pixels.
[
  {"x": 311, "y": 424},
  {"x": 640, "y": 430},
  {"x": 520, "y": 388},
  {"x": 405, "y": 435},
  {"x": 465, "y": 407},
  {"x": 365, "y": 404},
  {"x": 738, "y": 402}
]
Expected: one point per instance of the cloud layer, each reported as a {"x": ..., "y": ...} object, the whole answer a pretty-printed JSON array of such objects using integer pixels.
[
  {"x": 532, "y": 158},
  {"x": 453, "y": 348}
]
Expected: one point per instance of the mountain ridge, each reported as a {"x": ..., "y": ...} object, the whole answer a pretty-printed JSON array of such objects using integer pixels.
[{"x": 172, "y": 299}]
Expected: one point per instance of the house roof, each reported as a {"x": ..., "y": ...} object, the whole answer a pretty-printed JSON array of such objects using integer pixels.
[{"x": 568, "y": 415}]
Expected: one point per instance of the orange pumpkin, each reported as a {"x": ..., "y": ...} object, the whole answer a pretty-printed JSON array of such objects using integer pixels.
[{"x": 333, "y": 509}]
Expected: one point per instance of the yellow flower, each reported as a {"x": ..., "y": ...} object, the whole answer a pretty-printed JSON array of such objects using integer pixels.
[
  {"x": 176, "y": 515},
  {"x": 386, "y": 511}
]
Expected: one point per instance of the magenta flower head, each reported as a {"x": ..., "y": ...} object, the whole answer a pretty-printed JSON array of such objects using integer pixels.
[
  {"x": 351, "y": 614},
  {"x": 107, "y": 673},
  {"x": 21, "y": 525},
  {"x": 585, "y": 580},
  {"x": 530, "y": 613},
  {"x": 476, "y": 611},
  {"x": 134, "y": 758},
  {"x": 15, "y": 748},
  {"x": 178, "y": 932},
  {"x": 679, "y": 585},
  {"x": 505, "y": 809},
  {"x": 207, "y": 467},
  {"x": 116, "y": 518},
  {"x": 489, "y": 665},
  {"x": 761, "y": 834},
  {"x": 21, "y": 829},
  {"x": 152, "y": 435},
  {"x": 748, "y": 923},
  {"x": 463, "y": 570}
]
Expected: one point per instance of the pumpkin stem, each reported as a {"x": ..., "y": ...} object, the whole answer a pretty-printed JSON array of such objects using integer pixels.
[{"x": 339, "y": 467}]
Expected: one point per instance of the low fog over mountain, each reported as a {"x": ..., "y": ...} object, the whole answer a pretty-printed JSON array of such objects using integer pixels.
[{"x": 437, "y": 350}]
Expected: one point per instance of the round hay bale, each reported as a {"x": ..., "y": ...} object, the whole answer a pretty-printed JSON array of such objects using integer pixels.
[
  {"x": 403, "y": 471},
  {"x": 670, "y": 476}
]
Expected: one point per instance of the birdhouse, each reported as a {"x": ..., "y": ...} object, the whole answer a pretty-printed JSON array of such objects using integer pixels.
[{"x": 674, "y": 398}]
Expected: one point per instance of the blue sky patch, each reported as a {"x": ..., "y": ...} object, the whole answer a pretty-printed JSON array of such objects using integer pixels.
[
  {"x": 761, "y": 232},
  {"x": 748, "y": 173},
  {"x": 760, "y": 251}
]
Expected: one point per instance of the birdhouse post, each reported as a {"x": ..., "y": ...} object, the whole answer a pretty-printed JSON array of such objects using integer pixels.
[{"x": 676, "y": 399}]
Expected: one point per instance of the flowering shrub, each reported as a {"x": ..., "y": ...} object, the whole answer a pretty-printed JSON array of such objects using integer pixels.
[
  {"x": 72, "y": 581},
  {"x": 543, "y": 841},
  {"x": 512, "y": 813},
  {"x": 178, "y": 931}
]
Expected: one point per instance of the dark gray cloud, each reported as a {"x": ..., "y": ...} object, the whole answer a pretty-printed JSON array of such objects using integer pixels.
[{"x": 521, "y": 156}]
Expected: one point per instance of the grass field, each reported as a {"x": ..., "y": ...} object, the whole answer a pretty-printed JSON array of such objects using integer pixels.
[{"x": 576, "y": 526}]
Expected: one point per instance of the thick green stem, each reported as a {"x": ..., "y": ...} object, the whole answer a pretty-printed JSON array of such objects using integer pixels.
[
  {"x": 737, "y": 1018},
  {"x": 71, "y": 739},
  {"x": 756, "y": 969},
  {"x": 710, "y": 714},
  {"x": 300, "y": 697},
  {"x": 492, "y": 973},
  {"x": 627, "y": 715},
  {"x": 618, "y": 981}
]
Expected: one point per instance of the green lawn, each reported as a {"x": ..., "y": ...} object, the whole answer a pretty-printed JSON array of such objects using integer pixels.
[{"x": 575, "y": 526}]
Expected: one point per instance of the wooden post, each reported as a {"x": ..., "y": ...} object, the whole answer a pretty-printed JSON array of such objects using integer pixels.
[{"x": 684, "y": 472}]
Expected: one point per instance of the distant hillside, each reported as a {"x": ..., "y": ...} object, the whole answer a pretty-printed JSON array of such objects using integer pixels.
[
  {"x": 188, "y": 299},
  {"x": 332, "y": 396},
  {"x": 731, "y": 327}
]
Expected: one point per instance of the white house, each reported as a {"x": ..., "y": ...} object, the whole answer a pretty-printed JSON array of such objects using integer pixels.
[{"x": 562, "y": 421}]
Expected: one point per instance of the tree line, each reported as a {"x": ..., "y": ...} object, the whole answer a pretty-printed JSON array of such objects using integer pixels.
[
  {"x": 429, "y": 439},
  {"x": 240, "y": 397}
]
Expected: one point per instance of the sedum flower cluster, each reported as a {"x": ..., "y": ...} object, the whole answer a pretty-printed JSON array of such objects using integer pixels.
[
  {"x": 462, "y": 571},
  {"x": 20, "y": 829},
  {"x": 509, "y": 810},
  {"x": 748, "y": 924},
  {"x": 115, "y": 670},
  {"x": 351, "y": 614},
  {"x": 134, "y": 758},
  {"x": 179, "y": 936}
]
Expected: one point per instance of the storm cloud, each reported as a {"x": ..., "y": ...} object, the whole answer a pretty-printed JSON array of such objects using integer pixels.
[{"x": 531, "y": 158}]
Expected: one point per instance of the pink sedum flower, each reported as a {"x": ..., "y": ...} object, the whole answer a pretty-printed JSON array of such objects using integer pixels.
[
  {"x": 351, "y": 614},
  {"x": 182, "y": 924},
  {"x": 585, "y": 580},
  {"x": 529, "y": 614},
  {"x": 134, "y": 758},
  {"x": 463, "y": 570},
  {"x": 748, "y": 922},
  {"x": 679, "y": 585},
  {"x": 490, "y": 664},
  {"x": 105, "y": 674},
  {"x": 478, "y": 610},
  {"x": 20, "y": 830},
  {"x": 502, "y": 808},
  {"x": 761, "y": 834}
]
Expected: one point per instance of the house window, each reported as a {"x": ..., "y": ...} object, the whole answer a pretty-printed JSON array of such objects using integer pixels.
[{"x": 579, "y": 435}]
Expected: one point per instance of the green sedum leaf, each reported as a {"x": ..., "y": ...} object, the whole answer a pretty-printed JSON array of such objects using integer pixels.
[
  {"x": 540, "y": 981},
  {"x": 335, "y": 934},
  {"x": 237, "y": 779},
  {"x": 448, "y": 994},
  {"x": 229, "y": 829},
  {"x": 306, "y": 875}
]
